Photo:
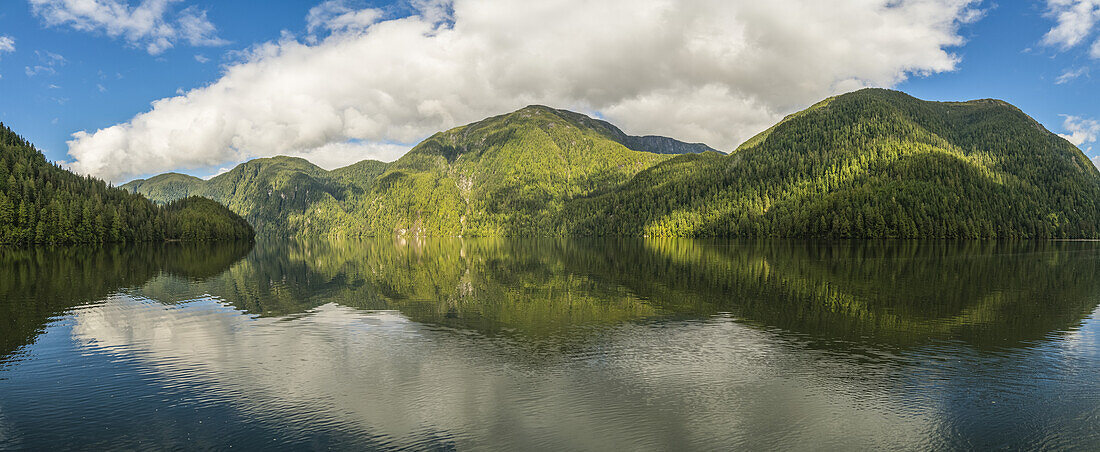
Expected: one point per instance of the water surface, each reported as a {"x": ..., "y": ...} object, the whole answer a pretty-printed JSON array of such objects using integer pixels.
[{"x": 551, "y": 345}]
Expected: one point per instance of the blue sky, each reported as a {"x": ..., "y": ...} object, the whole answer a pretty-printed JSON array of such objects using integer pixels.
[
  {"x": 398, "y": 71},
  {"x": 50, "y": 105}
]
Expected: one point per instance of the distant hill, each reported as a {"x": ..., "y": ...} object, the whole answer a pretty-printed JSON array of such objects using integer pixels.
[
  {"x": 42, "y": 203},
  {"x": 279, "y": 196},
  {"x": 867, "y": 164},
  {"x": 873, "y": 163},
  {"x": 506, "y": 175}
]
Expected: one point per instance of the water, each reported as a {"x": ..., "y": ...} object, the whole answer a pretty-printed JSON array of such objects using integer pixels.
[{"x": 552, "y": 345}]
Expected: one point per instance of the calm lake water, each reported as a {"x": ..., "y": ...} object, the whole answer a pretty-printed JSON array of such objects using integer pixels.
[{"x": 552, "y": 345}]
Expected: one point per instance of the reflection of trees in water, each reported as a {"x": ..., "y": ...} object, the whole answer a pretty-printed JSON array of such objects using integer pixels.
[
  {"x": 40, "y": 282},
  {"x": 899, "y": 292},
  {"x": 902, "y": 292}
]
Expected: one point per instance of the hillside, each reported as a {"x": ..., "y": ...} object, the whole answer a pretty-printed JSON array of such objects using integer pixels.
[
  {"x": 867, "y": 164},
  {"x": 42, "y": 203},
  {"x": 279, "y": 196},
  {"x": 873, "y": 163},
  {"x": 506, "y": 175}
]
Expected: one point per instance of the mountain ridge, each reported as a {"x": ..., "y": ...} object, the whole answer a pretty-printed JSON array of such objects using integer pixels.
[
  {"x": 445, "y": 172},
  {"x": 870, "y": 163}
]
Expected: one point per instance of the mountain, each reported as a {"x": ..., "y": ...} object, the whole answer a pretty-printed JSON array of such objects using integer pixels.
[
  {"x": 867, "y": 164},
  {"x": 42, "y": 203},
  {"x": 507, "y": 175},
  {"x": 165, "y": 187},
  {"x": 279, "y": 196},
  {"x": 872, "y": 163}
]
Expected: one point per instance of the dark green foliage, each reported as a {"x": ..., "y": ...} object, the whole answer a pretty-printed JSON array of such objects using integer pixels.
[
  {"x": 874, "y": 163},
  {"x": 167, "y": 186},
  {"x": 279, "y": 196},
  {"x": 43, "y": 203},
  {"x": 504, "y": 176},
  {"x": 199, "y": 219}
]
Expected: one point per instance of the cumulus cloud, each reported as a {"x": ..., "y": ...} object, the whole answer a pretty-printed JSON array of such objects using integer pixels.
[
  {"x": 716, "y": 71},
  {"x": 151, "y": 25},
  {"x": 1080, "y": 130}
]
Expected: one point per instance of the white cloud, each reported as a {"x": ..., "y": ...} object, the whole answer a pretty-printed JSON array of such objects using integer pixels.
[
  {"x": 1075, "y": 20},
  {"x": 219, "y": 172},
  {"x": 335, "y": 155},
  {"x": 1080, "y": 130},
  {"x": 32, "y": 71},
  {"x": 1071, "y": 74},
  {"x": 151, "y": 24},
  {"x": 1096, "y": 161},
  {"x": 49, "y": 62},
  {"x": 201, "y": 59},
  {"x": 7, "y": 44},
  {"x": 340, "y": 15},
  {"x": 716, "y": 71},
  {"x": 50, "y": 58}
]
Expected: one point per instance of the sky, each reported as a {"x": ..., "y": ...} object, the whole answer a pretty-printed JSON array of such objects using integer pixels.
[{"x": 122, "y": 89}]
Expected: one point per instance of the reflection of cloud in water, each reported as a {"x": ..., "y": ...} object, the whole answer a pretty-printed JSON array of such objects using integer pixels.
[{"x": 336, "y": 369}]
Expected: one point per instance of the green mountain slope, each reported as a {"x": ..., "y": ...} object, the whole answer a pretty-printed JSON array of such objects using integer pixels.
[
  {"x": 506, "y": 175},
  {"x": 42, "y": 203},
  {"x": 873, "y": 163},
  {"x": 278, "y": 195},
  {"x": 165, "y": 187}
]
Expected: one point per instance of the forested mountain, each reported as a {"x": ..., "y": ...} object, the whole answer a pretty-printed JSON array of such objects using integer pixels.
[
  {"x": 280, "y": 196},
  {"x": 872, "y": 163},
  {"x": 506, "y": 175},
  {"x": 42, "y": 203}
]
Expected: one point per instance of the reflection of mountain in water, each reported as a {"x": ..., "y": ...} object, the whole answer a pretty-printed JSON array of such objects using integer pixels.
[
  {"x": 586, "y": 345},
  {"x": 37, "y": 283},
  {"x": 986, "y": 293}
]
